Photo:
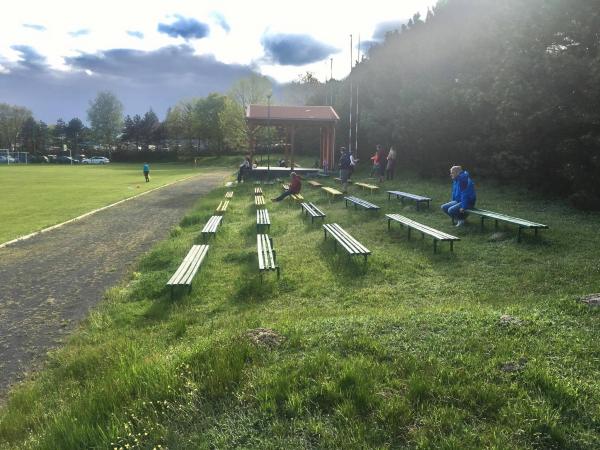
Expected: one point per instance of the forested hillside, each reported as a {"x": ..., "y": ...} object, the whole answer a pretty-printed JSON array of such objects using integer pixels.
[{"x": 509, "y": 89}]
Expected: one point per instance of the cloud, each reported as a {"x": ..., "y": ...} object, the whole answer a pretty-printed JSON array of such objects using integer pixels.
[
  {"x": 187, "y": 28},
  {"x": 34, "y": 26},
  {"x": 30, "y": 58},
  {"x": 385, "y": 27},
  {"x": 78, "y": 33},
  {"x": 295, "y": 49},
  {"x": 155, "y": 79},
  {"x": 220, "y": 19},
  {"x": 136, "y": 34}
]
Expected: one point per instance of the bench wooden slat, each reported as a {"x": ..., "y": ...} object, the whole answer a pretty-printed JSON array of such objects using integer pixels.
[
  {"x": 310, "y": 208},
  {"x": 437, "y": 235},
  {"x": 258, "y": 191},
  {"x": 222, "y": 206},
  {"x": 360, "y": 202},
  {"x": 503, "y": 217},
  {"x": 341, "y": 236},
  {"x": 314, "y": 183},
  {"x": 229, "y": 194},
  {"x": 266, "y": 254},
  {"x": 188, "y": 268},
  {"x": 259, "y": 200},
  {"x": 406, "y": 195}
]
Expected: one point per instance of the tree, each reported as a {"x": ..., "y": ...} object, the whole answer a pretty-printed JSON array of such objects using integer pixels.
[
  {"x": 12, "y": 119},
  {"x": 251, "y": 90},
  {"x": 105, "y": 115},
  {"x": 73, "y": 133},
  {"x": 233, "y": 123}
]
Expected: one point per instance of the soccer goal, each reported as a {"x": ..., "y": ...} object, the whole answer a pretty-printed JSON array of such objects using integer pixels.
[{"x": 8, "y": 157}]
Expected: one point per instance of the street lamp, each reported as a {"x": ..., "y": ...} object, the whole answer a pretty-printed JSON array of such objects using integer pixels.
[{"x": 269, "y": 129}]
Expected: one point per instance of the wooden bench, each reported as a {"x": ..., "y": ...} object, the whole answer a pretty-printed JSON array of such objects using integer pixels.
[
  {"x": 266, "y": 255},
  {"x": 521, "y": 223},
  {"x": 258, "y": 191},
  {"x": 424, "y": 229},
  {"x": 186, "y": 271},
  {"x": 360, "y": 202},
  {"x": 229, "y": 195},
  {"x": 211, "y": 227},
  {"x": 262, "y": 219},
  {"x": 368, "y": 186},
  {"x": 314, "y": 183},
  {"x": 222, "y": 207},
  {"x": 405, "y": 195},
  {"x": 339, "y": 180},
  {"x": 312, "y": 210},
  {"x": 259, "y": 200},
  {"x": 296, "y": 197},
  {"x": 341, "y": 236},
  {"x": 331, "y": 192}
]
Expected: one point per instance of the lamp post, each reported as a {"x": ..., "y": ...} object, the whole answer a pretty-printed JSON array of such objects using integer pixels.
[{"x": 269, "y": 130}]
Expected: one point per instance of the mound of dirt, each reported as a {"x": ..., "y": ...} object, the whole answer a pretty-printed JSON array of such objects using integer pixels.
[
  {"x": 591, "y": 300},
  {"x": 265, "y": 337}
]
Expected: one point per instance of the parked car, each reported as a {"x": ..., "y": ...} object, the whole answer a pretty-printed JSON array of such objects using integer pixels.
[
  {"x": 99, "y": 160},
  {"x": 66, "y": 160},
  {"x": 7, "y": 160}
]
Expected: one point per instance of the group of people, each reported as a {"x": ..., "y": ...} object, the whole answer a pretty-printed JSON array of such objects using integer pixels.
[{"x": 463, "y": 188}]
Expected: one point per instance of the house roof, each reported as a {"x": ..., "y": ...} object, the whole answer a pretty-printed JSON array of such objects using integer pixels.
[{"x": 261, "y": 113}]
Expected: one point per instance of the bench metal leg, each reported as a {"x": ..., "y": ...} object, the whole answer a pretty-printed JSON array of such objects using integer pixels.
[
  {"x": 452, "y": 246},
  {"x": 535, "y": 230},
  {"x": 389, "y": 224},
  {"x": 171, "y": 292},
  {"x": 482, "y": 222},
  {"x": 389, "y": 196},
  {"x": 278, "y": 273},
  {"x": 434, "y": 246},
  {"x": 418, "y": 205},
  {"x": 408, "y": 231}
]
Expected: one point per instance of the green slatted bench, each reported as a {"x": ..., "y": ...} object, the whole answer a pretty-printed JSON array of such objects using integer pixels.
[
  {"x": 342, "y": 237},
  {"x": 314, "y": 212},
  {"x": 360, "y": 202},
  {"x": 498, "y": 217},
  {"x": 424, "y": 229},
  {"x": 186, "y": 271},
  {"x": 266, "y": 255}
]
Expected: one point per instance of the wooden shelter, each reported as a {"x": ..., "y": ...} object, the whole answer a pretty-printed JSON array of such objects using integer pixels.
[{"x": 291, "y": 118}]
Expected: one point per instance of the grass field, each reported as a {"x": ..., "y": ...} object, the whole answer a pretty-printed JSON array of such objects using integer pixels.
[
  {"x": 36, "y": 196},
  {"x": 407, "y": 352}
]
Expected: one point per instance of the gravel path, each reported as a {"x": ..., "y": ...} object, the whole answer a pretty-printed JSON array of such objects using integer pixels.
[{"x": 49, "y": 282}]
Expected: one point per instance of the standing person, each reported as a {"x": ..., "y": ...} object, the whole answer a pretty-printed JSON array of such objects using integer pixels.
[
  {"x": 382, "y": 163},
  {"x": 391, "y": 164},
  {"x": 244, "y": 168},
  {"x": 353, "y": 163},
  {"x": 294, "y": 188},
  {"x": 463, "y": 195},
  {"x": 146, "y": 171},
  {"x": 376, "y": 162},
  {"x": 345, "y": 165}
]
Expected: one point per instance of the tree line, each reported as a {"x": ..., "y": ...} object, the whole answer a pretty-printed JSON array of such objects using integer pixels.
[{"x": 508, "y": 89}]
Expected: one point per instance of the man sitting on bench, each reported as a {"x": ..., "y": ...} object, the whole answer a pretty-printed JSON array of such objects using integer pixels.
[
  {"x": 463, "y": 195},
  {"x": 295, "y": 186}
]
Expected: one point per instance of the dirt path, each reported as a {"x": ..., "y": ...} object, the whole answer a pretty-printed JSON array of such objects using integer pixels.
[{"x": 49, "y": 282}]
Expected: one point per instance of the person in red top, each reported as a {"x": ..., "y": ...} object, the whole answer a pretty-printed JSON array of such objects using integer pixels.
[{"x": 295, "y": 186}]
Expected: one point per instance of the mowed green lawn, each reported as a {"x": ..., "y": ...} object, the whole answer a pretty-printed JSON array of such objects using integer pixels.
[
  {"x": 411, "y": 351},
  {"x": 36, "y": 196}
]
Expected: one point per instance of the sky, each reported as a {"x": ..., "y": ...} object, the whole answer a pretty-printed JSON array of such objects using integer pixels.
[{"x": 56, "y": 56}]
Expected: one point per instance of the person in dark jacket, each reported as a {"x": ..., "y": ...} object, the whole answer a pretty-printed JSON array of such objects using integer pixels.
[
  {"x": 463, "y": 195},
  {"x": 345, "y": 166},
  {"x": 295, "y": 186}
]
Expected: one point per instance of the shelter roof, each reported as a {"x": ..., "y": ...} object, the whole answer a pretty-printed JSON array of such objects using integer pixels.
[{"x": 262, "y": 113}]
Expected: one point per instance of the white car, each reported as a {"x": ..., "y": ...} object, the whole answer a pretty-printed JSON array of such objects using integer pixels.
[{"x": 96, "y": 160}]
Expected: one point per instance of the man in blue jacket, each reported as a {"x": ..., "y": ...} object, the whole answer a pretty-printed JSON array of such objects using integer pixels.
[{"x": 463, "y": 195}]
